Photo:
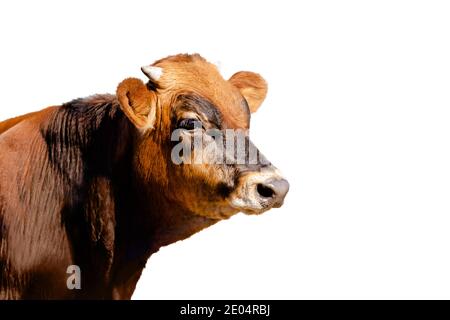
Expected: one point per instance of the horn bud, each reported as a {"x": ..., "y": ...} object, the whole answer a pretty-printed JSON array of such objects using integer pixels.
[{"x": 153, "y": 73}]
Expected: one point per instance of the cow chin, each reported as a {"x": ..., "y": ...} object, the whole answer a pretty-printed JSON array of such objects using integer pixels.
[
  {"x": 233, "y": 206},
  {"x": 217, "y": 212},
  {"x": 224, "y": 213},
  {"x": 249, "y": 205}
]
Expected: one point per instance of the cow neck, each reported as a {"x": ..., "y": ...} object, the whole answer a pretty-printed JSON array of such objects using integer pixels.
[
  {"x": 146, "y": 219},
  {"x": 165, "y": 221}
]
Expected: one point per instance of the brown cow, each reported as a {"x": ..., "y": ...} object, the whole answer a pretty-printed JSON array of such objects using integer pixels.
[{"x": 93, "y": 183}]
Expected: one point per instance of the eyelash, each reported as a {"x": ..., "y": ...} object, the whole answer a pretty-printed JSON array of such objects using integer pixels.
[{"x": 189, "y": 124}]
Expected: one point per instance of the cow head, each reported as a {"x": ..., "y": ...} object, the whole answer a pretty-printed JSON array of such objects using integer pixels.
[{"x": 192, "y": 137}]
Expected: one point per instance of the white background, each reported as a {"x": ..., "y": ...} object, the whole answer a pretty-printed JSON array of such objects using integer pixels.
[{"x": 357, "y": 118}]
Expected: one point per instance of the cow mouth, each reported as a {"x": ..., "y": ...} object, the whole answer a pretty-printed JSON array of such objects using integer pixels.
[{"x": 251, "y": 206}]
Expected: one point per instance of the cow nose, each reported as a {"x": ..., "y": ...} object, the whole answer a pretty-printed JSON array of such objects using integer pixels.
[
  {"x": 259, "y": 191},
  {"x": 274, "y": 190}
]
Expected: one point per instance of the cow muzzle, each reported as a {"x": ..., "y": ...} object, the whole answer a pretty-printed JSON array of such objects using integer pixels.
[{"x": 260, "y": 191}]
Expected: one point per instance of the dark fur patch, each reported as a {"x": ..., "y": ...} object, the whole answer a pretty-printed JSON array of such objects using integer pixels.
[
  {"x": 87, "y": 145},
  {"x": 81, "y": 137},
  {"x": 2, "y": 228},
  {"x": 202, "y": 106}
]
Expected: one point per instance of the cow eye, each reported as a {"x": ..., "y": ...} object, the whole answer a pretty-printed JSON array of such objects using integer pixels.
[{"x": 189, "y": 124}]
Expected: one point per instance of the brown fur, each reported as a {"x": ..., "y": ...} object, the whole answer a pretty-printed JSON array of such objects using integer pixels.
[
  {"x": 91, "y": 183},
  {"x": 5, "y": 125}
]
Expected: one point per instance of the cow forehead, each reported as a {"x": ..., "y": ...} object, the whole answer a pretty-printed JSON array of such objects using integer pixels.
[{"x": 192, "y": 73}]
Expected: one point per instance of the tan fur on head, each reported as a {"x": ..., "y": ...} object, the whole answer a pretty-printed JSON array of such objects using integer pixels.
[
  {"x": 193, "y": 73},
  {"x": 137, "y": 102}
]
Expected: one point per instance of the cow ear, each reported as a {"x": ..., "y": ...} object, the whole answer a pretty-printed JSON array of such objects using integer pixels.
[
  {"x": 252, "y": 86},
  {"x": 137, "y": 102}
]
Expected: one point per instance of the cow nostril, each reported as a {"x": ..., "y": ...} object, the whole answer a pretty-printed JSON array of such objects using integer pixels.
[{"x": 265, "y": 191}]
